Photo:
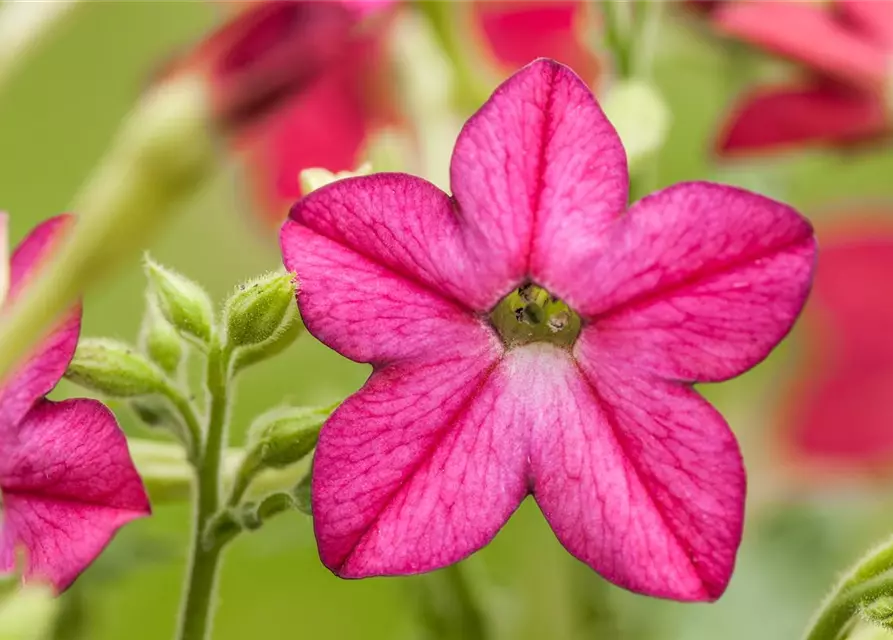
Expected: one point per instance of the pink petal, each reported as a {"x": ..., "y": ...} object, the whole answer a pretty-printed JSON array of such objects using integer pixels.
[
  {"x": 841, "y": 418},
  {"x": 806, "y": 33},
  {"x": 697, "y": 282},
  {"x": 518, "y": 32},
  {"x": 537, "y": 173},
  {"x": 826, "y": 113},
  {"x": 640, "y": 479},
  {"x": 420, "y": 468},
  {"x": 372, "y": 311},
  {"x": 292, "y": 139},
  {"x": 40, "y": 373},
  {"x": 402, "y": 223},
  {"x": 873, "y": 17},
  {"x": 68, "y": 485}
]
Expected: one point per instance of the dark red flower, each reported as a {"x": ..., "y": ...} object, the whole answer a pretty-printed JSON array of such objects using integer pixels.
[
  {"x": 840, "y": 414},
  {"x": 845, "y": 47}
]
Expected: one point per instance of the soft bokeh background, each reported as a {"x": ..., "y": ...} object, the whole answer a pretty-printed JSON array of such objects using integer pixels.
[{"x": 56, "y": 118}]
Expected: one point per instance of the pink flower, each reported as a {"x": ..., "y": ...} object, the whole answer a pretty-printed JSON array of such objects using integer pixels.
[
  {"x": 839, "y": 413},
  {"x": 67, "y": 482},
  {"x": 845, "y": 46},
  {"x": 638, "y": 476}
]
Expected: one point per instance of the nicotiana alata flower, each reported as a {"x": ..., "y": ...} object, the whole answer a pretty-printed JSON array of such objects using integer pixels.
[
  {"x": 67, "y": 482},
  {"x": 837, "y": 417},
  {"x": 530, "y": 335},
  {"x": 845, "y": 46}
]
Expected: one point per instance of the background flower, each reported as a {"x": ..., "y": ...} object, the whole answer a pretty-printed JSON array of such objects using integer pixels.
[{"x": 67, "y": 483}]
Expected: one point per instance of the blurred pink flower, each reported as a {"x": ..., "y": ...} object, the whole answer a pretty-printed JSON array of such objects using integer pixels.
[
  {"x": 324, "y": 66},
  {"x": 638, "y": 476},
  {"x": 66, "y": 478},
  {"x": 845, "y": 45},
  {"x": 840, "y": 414}
]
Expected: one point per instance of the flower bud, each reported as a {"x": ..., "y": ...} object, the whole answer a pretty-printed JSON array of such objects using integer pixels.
[
  {"x": 160, "y": 341},
  {"x": 276, "y": 440},
  {"x": 114, "y": 369},
  {"x": 283, "y": 437},
  {"x": 316, "y": 177},
  {"x": 182, "y": 302},
  {"x": 641, "y": 119},
  {"x": 261, "y": 310},
  {"x": 879, "y": 612}
]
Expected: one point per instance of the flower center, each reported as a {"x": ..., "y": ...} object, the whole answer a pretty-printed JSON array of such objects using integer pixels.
[{"x": 531, "y": 314}]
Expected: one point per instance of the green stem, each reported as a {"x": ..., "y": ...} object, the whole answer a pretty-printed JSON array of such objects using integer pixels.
[
  {"x": 447, "y": 606},
  {"x": 835, "y": 617},
  {"x": 193, "y": 435},
  {"x": 618, "y": 34},
  {"x": 870, "y": 578},
  {"x": 197, "y": 610}
]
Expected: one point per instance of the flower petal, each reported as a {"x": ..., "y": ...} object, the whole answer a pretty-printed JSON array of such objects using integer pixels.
[
  {"x": 826, "y": 113},
  {"x": 697, "y": 282},
  {"x": 324, "y": 126},
  {"x": 68, "y": 485},
  {"x": 640, "y": 479},
  {"x": 403, "y": 224},
  {"x": 806, "y": 33},
  {"x": 44, "y": 368},
  {"x": 874, "y": 17},
  {"x": 419, "y": 469},
  {"x": 518, "y": 32},
  {"x": 841, "y": 418},
  {"x": 536, "y": 173},
  {"x": 371, "y": 313}
]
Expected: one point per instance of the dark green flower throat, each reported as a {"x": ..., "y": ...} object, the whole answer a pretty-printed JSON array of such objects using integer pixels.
[{"x": 531, "y": 314}]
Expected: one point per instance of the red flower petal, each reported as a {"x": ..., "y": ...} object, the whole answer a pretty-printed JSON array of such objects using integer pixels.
[
  {"x": 519, "y": 32},
  {"x": 821, "y": 114},
  {"x": 809, "y": 34},
  {"x": 68, "y": 485},
  {"x": 640, "y": 479},
  {"x": 46, "y": 365},
  {"x": 872, "y": 17}
]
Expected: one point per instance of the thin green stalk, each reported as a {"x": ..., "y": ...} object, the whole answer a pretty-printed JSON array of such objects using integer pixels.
[
  {"x": 618, "y": 34},
  {"x": 447, "y": 606},
  {"x": 197, "y": 610},
  {"x": 834, "y": 618},
  {"x": 193, "y": 435}
]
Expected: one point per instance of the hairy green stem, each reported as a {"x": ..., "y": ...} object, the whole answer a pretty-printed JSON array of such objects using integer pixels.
[
  {"x": 193, "y": 434},
  {"x": 834, "y": 618},
  {"x": 198, "y": 603}
]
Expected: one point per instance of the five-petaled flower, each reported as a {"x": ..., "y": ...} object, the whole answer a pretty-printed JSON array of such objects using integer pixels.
[
  {"x": 529, "y": 335},
  {"x": 839, "y": 413},
  {"x": 67, "y": 482},
  {"x": 845, "y": 45}
]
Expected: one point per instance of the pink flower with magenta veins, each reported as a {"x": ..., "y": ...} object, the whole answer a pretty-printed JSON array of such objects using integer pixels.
[
  {"x": 530, "y": 335},
  {"x": 67, "y": 482}
]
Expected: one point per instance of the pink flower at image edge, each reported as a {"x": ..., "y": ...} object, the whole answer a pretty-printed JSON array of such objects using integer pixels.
[
  {"x": 638, "y": 476},
  {"x": 66, "y": 478},
  {"x": 845, "y": 46}
]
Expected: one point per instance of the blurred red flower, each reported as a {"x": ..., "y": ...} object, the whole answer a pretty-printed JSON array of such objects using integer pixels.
[
  {"x": 846, "y": 47},
  {"x": 840, "y": 415},
  {"x": 304, "y": 84}
]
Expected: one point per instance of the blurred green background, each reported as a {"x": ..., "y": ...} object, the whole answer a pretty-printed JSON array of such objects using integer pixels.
[{"x": 56, "y": 118}]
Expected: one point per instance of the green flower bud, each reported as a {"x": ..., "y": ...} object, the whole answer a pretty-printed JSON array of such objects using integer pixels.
[
  {"x": 285, "y": 436},
  {"x": 277, "y": 440},
  {"x": 879, "y": 612},
  {"x": 261, "y": 310},
  {"x": 182, "y": 302},
  {"x": 641, "y": 118},
  {"x": 160, "y": 341},
  {"x": 313, "y": 178},
  {"x": 114, "y": 369}
]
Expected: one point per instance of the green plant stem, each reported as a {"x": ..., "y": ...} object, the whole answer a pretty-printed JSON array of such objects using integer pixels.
[
  {"x": 447, "y": 606},
  {"x": 618, "y": 34},
  {"x": 197, "y": 610},
  {"x": 835, "y": 616},
  {"x": 192, "y": 437}
]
